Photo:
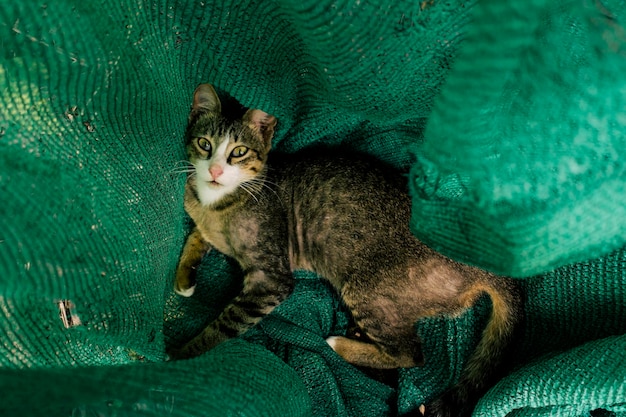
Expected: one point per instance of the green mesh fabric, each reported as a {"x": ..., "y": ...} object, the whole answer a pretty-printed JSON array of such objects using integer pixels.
[
  {"x": 523, "y": 150},
  {"x": 510, "y": 117}
]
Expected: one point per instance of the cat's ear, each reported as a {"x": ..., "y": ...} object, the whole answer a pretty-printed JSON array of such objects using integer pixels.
[
  {"x": 205, "y": 99},
  {"x": 260, "y": 122}
]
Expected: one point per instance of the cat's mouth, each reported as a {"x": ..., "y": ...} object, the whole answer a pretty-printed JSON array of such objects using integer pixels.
[{"x": 214, "y": 183}]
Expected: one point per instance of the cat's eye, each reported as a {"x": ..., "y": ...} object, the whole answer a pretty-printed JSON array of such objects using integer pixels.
[
  {"x": 239, "y": 151},
  {"x": 204, "y": 144}
]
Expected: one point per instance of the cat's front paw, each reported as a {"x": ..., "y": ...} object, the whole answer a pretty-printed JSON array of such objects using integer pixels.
[
  {"x": 185, "y": 292},
  {"x": 179, "y": 353},
  {"x": 185, "y": 283}
]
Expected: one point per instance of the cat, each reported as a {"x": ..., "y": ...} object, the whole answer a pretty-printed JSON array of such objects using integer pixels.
[{"x": 343, "y": 215}]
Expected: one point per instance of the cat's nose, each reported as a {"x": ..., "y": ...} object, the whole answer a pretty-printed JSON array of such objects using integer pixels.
[{"x": 215, "y": 171}]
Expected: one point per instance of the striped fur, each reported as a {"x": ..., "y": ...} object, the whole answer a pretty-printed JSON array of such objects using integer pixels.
[{"x": 344, "y": 216}]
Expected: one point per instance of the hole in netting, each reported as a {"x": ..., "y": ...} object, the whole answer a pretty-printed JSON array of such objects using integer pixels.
[{"x": 67, "y": 314}]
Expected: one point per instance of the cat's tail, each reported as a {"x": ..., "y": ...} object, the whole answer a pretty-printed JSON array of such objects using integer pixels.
[
  {"x": 506, "y": 313},
  {"x": 489, "y": 361}
]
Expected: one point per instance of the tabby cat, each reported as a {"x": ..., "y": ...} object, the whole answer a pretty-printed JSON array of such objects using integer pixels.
[{"x": 344, "y": 216}]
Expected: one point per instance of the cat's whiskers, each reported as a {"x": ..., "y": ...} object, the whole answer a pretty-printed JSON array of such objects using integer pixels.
[
  {"x": 181, "y": 171},
  {"x": 182, "y": 167},
  {"x": 246, "y": 187},
  {"x": 183, "y": 162},
  {"x": 262, "y": 182}
]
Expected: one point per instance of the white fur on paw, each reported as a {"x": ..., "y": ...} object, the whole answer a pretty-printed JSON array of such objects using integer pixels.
[
  {"x": 332, "y": 341},
  {"x": 185, "y": 293}
]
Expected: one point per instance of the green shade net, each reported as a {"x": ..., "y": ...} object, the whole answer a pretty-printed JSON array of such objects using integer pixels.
[{"x": 510, "y": 116}]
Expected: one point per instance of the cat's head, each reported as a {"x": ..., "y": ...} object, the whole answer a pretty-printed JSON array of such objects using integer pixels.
[{"x": 225, "y": 154}]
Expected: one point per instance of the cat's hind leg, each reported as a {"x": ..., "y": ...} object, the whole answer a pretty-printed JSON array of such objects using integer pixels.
[{"x": 367, "y": 353}]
